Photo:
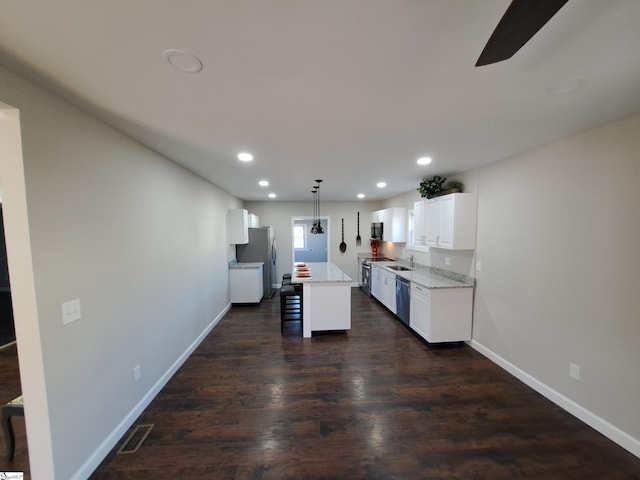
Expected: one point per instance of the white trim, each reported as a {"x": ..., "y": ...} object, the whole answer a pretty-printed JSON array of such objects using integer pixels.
[
  {"x": 112, "y": 439},
  {"x": 610, "y": 431}
]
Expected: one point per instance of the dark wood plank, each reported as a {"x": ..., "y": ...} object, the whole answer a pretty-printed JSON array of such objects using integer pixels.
[
  {"x": 9, "y": 389},
  {"x": 375, "y": 403}
]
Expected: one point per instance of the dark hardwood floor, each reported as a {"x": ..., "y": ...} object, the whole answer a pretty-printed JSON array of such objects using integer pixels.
[
  {"x": 373, "y": 403},
  {"x": 9, "y": 389}
]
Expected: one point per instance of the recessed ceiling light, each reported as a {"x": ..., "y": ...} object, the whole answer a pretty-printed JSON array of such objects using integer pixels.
[
  {"x": 245, "y": 157},
  {"x": 263, "y": 183},
  {"x": 361, "y": 195},
  {"x": 424, "y": 161},
  {"x": 183, "y": 61},
  {"x": 272, "y": 195},
  {"x": 567, "y": 86},
  {"x": 381, "y": 184}
]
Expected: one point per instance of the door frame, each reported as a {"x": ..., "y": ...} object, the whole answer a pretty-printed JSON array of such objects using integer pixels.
[{"x": 325, "y": 221}]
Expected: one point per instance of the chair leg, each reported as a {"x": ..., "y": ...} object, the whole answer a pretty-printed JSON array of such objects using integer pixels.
[{"x": 9, "y": 436}]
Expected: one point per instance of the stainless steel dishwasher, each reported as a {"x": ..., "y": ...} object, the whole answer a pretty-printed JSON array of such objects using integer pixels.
[{"x": 403, "y": 299}]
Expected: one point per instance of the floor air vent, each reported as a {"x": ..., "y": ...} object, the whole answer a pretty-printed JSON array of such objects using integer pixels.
[{"x": 135, "y": 438}]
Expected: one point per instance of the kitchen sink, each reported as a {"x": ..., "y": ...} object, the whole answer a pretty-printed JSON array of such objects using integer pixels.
[{"x": 399, "y": 268}]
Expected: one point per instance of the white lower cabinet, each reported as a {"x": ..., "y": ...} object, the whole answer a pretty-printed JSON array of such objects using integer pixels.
[
  {"x": 389, "y": 282},
  {"x": 375, "y": 282},
  {"x": 441, "y": 314},
  {"x": 246, "y": 283},
  {"x": 383, "y": 287}
]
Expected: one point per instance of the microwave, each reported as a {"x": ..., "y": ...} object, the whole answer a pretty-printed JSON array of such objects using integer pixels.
[{"x": 376, "y": 231}]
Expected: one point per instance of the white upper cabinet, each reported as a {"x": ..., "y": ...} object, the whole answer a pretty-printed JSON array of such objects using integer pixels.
[
  {"x": 419, "y": 225},
  {"x": 237, "y": 226},
  {"x": 377, "y": 216},
  {"x": 394, "y": 223},
  {"x": 396, "y": 217},
  {"x": 450, "y": 221}
]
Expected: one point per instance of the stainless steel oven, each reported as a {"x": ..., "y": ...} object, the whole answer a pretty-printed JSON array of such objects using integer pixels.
[{"x": 365, "y": 285}]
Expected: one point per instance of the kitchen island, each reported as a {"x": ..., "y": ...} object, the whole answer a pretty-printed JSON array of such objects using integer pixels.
[{"x": 326, "y": 298}]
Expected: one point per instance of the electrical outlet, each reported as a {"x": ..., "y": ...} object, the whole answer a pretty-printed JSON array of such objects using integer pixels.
[
  {"x": 136, "y": 373},
  {"x": 478, "y": 266},
  {"x": 574, "y": 371},
  {"x": 447, "y": 260},
  {"x": 71, "y": 311}
]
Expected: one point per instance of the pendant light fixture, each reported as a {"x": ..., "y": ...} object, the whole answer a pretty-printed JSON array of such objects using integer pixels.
[{"x": 316, "y": 228}]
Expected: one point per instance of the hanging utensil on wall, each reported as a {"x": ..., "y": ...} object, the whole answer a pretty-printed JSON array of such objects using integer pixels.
[
  {"x": 343, "y": 246},
  {"x": 358, "y": 239}
]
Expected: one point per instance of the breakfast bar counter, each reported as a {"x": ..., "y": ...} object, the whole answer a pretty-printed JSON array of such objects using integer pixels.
[{"x": 326, "y": 297}]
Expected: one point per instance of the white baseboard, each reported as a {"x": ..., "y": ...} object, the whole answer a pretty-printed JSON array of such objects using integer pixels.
[
  {"x": 107, "y": 445},
  {"x": 612, "y": 432}
]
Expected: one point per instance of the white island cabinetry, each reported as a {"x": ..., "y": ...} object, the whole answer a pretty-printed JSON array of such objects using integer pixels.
[{"x": 326, "y": 298}]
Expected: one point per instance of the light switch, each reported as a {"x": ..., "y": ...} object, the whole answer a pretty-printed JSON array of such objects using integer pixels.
[{"x": 71, "y": 311}]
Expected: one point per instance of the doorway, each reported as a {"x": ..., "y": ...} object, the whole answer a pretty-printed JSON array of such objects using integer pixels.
[
  {"x": 7, "y": 328},
  {"x": 309, "y": 247}
]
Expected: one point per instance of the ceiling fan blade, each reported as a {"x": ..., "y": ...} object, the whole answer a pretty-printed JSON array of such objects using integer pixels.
[{"x": 520, "y": 22}]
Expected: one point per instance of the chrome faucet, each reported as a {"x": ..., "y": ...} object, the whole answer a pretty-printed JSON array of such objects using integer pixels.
[{"x": 410, "y": 260}]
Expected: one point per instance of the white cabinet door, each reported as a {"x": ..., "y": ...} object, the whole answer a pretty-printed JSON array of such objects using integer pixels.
[
  {"x": 419, "y": 216},
  {"x": 432, "y": 223},
  {"x": 383, "y": 287},
  {"x": 451, "y": 221},
  {"x": 245, "y": 285},
  {"x": 389, "y": 291},
  {"x": 237, "y": 226},
  {"x": 446, "y": 221},
  {"x": 377, "y": 216},
  {"x": 376, "y": 283},
  {"x": 420, "y": 310},
  {"x": 450, "y": 315}
]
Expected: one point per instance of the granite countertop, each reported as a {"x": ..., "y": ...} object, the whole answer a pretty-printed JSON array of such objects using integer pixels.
[
  {"x": 321, "y": 272},
  {"x": 430, "y": 277},
  {"x": 246, "y": 265}
]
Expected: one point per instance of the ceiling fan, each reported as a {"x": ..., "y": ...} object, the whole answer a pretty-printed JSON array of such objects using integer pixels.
[{"x": 520, "y": 22}]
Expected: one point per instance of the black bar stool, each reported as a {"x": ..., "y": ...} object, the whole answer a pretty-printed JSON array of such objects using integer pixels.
[{"x": 290, "y": 305}]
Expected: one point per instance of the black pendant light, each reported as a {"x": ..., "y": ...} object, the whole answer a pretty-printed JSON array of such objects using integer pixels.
[{"x": 316, "y": 228}]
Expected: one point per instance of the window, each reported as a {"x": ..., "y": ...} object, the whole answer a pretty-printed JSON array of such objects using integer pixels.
[{"x": 299, "y": 237}]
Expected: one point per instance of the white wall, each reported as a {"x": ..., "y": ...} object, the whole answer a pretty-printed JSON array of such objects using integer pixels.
[
  {"x": 137, "y": 239},
  {"x": 559, "y": 242},
  {"x": 278, "y": 215}
]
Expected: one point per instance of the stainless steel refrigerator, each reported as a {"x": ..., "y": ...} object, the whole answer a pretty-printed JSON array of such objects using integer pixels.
[{"x": 261, "y": 248}]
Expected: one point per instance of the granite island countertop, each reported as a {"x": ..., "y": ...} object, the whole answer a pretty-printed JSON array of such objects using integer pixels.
[
  {"x": 430, "y": 277},
  {"x": 321, "y": 272}
]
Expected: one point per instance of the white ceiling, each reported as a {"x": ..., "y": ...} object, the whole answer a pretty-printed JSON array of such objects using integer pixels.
[{"x": 349, "y": 91}]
